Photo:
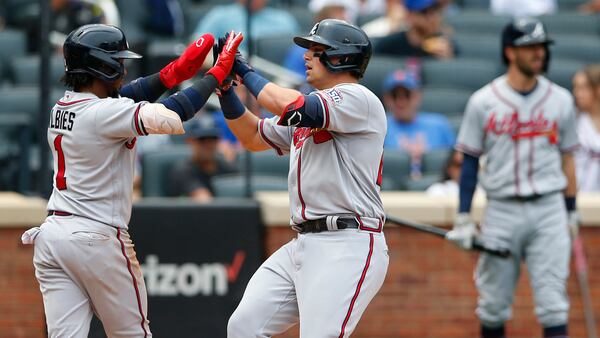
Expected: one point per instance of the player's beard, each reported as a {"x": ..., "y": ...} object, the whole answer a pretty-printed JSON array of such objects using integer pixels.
[{"x": 526, "y": 69}]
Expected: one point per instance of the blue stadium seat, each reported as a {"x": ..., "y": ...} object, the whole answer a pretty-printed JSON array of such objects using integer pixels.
[
  {"x": 434, "y": 161},
  {"x": 584, "y": 48},
  {"x": 274, "y": 48},
  {"x": 474, "y": 4},
  {"x": 479, "y": 46},
  {"x": 14, "y": 45},
  {"x": 469, "y": 74},
  {"x": 396, "y": 168},
  {"x": 562, "y": 71},
  {"x": 235, "y": 185},
  {"x": 422, "y": 183},
  {"x": 193, "y": 15},
  {"x": 570, "y": 5},
  {"x": 571, "y": 23},
  {"x": 378, "y": 69},
  {"x": 477, "y": 21},
  {"x": 265, "y": 163},
  {"x": 157, "y": 166},
  {"x": 448, "y": 101},
  {"x": 304, "y": 17},
  {"x": 15, "y": 140},
  {"x": 25, "y": 71}
]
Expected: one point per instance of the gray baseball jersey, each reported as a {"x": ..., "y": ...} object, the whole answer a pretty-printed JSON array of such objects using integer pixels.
[
  {"x": 335, "y": 170},
  {"x": 324, "y": 280},
  {"x": 523, "y": 137},
  {"x": 98, "y": 187},
  {"x": 83, "y": 256}
]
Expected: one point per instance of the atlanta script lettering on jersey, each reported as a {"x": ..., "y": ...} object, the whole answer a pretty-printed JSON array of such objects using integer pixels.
[
  {"x": 319, "y": 135},
  {"x": 62, "y": 119},
  {"x": 509, "y": 124}
]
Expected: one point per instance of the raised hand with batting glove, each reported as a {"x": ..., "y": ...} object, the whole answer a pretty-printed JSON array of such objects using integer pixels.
[
  {"x": 188, "y": 64},
  {"x": 463, "y": 232},
  {"x": 227, "y": 56}
]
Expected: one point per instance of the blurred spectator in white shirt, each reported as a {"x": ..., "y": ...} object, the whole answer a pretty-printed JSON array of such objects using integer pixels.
[
  {"x": 392, "y": 21},
  {"x": 519, "y": 8},
  {"x": 586, "y": 90}
]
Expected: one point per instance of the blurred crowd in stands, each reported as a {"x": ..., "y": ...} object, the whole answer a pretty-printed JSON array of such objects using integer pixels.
[{"x": 429, "y": 56}]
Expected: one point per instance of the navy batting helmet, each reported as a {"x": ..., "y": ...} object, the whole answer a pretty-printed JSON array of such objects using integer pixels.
[
  {"x": 525, "y": 32},
  {"x": 96, "y": 50},
  {"x": 342, "y": 40}
]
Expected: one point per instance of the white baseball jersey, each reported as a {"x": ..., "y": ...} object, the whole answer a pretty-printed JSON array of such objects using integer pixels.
[
  {"x": 587, "y": 158},
  {"x": 523, "y": 137},
  {"x": 93, "y": 143},
  {"x": 336, "y": 169}
]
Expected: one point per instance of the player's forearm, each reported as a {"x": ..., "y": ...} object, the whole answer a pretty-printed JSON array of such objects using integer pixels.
[
  {"x": 241, "y": 121},
  {"x": 269, "y": 95},
  {"x": 148, "y": 88},
  {"x": 275, "y": 98},
  {"x": 568, "y": 167},
  {"x": 245, "y": 128}
]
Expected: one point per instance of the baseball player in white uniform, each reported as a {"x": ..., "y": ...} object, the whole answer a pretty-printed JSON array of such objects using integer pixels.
[
  {"x": 525, "y": 126},
  {"x": 84, "y": 258},
  {"x": 325, "y": 277}
]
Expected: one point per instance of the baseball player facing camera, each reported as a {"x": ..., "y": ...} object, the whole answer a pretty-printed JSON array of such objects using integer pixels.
[
  {"x": 83, "y": 255},
  {"x": 525, "y": 125},
  {"x": 325, "y": 277}
]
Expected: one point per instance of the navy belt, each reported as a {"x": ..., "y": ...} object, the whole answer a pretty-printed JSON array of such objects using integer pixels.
[
  {"x": 59, "y": 213},
  {"x": 528, "y": 198},
  {"x": 319, "y": 225}
]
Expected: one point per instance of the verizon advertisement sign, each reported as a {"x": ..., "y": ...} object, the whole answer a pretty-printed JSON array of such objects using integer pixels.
[{"x": 191, "y": 279}]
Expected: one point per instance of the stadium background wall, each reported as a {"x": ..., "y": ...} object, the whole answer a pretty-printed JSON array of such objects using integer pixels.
[{"x": 428, "y": 292}]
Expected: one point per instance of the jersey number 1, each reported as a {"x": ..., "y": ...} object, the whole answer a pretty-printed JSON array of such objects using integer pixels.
[{"x": 61, "y": 180}]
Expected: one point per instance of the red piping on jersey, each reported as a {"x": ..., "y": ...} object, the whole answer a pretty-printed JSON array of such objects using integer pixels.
[
  {"x": 61, "y": 103},
  {"x": 130, "y": 145},
  {"x": 516, "y": 141},
  {"x": 357, "y": 292},
  {"x": 299, "y": 189},
  {"x": 531, "y": 140},
  {"x": 136, "y": 118},
  {"x": 262, "y": 133},
  {"x": 137, "y": 291},
  {"x": 326, "y": 124},
  {"x": 380, "y": 172}
]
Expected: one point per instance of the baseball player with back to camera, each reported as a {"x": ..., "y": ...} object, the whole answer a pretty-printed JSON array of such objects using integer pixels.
[
  {"x": 83, "y": 255},
  {"x": 325, "y": 277},
  {"x": 525, "y": 126}
]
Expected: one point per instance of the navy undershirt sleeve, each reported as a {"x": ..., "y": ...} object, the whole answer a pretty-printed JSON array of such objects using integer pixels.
[
  {"x": 188, "y": 102},
  {"x": 148, "y": 88},
  {"x": 468, "y": 182}
]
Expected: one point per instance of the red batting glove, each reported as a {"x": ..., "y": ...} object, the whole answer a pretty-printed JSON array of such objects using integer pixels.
[
  {"x": 188, "y": 64},
  {"x": 226, "y": 58}
]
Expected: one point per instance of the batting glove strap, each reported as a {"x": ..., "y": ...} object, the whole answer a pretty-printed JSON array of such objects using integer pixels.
[
  {"x": 188, "y": 64},
  {"x": 463, "y": 232}
]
